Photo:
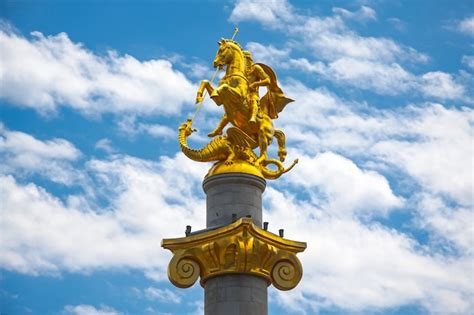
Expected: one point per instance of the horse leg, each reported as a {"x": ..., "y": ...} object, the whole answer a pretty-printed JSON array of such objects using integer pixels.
[
  {"x": 265, "y": 136},
  {"x": 280, "y": 136},
  {"x": 218, "y": 131},
  {"x": 205, "y": 85},
  {"x": 229, "y": 93},
  {"x": 263, "y": 143}
]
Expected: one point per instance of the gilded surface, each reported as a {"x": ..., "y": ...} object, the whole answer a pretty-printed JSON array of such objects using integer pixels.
[
  {"x": 249, "y": 116},
  {"x": 240, "y": 247}
]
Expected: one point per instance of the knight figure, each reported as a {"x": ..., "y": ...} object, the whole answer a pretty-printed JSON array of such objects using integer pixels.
[{"x": 249, "y": 115}]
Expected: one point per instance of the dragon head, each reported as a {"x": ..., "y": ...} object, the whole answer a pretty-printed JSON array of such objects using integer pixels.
[{"x": 186, "y": 126}]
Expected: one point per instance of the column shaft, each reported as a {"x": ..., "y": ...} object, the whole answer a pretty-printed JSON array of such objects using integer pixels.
[
  {"x": 241, "y": 195},
  {"x": 233, "y": 193}
]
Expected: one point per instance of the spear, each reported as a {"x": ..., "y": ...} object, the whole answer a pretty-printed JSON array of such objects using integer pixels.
[
  {"x": 236, "y": 30},
  {"x": 199, "y": 105}
]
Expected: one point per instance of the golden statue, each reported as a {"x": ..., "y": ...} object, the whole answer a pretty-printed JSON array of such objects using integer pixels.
[
  {"x": 237, "y": 246},
  {"x": 249, "y": 115}
]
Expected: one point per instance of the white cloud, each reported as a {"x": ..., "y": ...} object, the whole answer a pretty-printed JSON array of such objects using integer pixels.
[
  {"x": 346, "y": 187},
  {"x": 387, "y": 79},
  {"x": 427, "y": 150},
  {"x": 146, "y": 201},
  {"x": 428, "y": 146},
  {"x": 84, "y": 309},
  {"x": 162, "y": 295},
  {"x": 158, "y": 131},
  {"x": 440, "y": 157},
  {"x": 336, "y": 122},
  {"x": 330, "y": 38},
  {"x": 363, "y": 14},
  {"x": 392, "y": 79},
  {"x": 343, "y": 56},
  {"x": 304, "y": 65},
  {"x": 40, "y": 232},
  {"x": 268, "y": 12},
  {"x": 468, "y": 61},
  {"x": 197, "y": 69},
  {"x": 441, "y": 85},
  {"x": 379, "y": 267},
  {"x": 45, "y": 72},
  {"x": 335, "y": 44},
  {"x": 132, "y": 128},
  {"x": 466, "y": 26},
  {"x": 268, "y": 54},
  {"x": 430, "y": 143},
  {"x": 199, "y": 308},
  {"x": 397, "y": 23},
  {"x": 21, "y": 143},
  {"x": 105, "y": 145},
  {"x": 447, "y": 223},
  {"x": 24, "y": 154}
]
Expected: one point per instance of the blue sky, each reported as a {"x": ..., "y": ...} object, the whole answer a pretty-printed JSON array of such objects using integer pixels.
[{"x": 92, "y": 179}]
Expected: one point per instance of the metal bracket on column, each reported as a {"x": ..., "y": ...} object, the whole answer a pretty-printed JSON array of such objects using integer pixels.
[{"x": 238, "y": 248}]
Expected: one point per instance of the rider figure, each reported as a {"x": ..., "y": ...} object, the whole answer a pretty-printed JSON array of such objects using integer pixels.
[{"x": 256, "y": 77}]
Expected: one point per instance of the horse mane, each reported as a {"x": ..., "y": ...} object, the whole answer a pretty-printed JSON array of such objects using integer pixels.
[
  {"x": 233, "y": 42},
  {"x": 237, "y": 46}
]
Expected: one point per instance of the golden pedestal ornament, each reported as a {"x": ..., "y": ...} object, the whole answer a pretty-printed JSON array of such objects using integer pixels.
[{"x": 239, "y": 248}]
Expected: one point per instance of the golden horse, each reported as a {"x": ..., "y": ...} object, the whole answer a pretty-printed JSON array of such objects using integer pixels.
[{"x": 232, "y": 93}]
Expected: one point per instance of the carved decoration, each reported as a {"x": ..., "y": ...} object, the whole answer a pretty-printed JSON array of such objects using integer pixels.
[
  {"x": 240, "y": 247},
  {"x": 250, "y": 117}
]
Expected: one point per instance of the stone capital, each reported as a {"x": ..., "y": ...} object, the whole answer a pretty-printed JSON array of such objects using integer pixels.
[{"x": 238, "y": 248}]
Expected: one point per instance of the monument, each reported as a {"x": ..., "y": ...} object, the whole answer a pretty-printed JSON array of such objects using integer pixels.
[{"x": 235, "y": 257}]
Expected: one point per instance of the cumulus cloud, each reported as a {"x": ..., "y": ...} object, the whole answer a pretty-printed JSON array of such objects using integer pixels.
[
  {"x": 397, "y": 24},
  {"x": 147, "y": 201},
  {"x": 162, "y": 295},
  {"x": 450, "y": 227},
  {"x": 269, "y": 54},
  {"x": 346, "y": 188},
  {"x": 329, "y": 37},
  {"x": 23, "y": 154},
  {"x": 363, "y": 14},
  {"x": 466, "y": 26},
  {"x": 129, "y": 126},
  {"x": 429, "y": 142},
  {"x": 379, "y": 267},
  {"x": 440, "y": 157},
  {"x": 468, "y": 60},
  {"x": 371, "y": 75},
  {"x": 364, "y": 163},
  {"x": 268, "y": 12},
  {"x": 386, "y": 79},
  {"x": 343, "y": 56},
  {"x": 158, "y": 131},
  {"x": 40, "y": 232},
  {"x": 45, "y": 72},
  {"x": 428, "y": 150},
  {"x": 441, "y": 85},
  {"x": 84, "y": 309},
  {"x": 105, "y": 145}
]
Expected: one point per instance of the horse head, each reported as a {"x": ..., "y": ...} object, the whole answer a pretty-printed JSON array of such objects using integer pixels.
[{"x": 226, "y": 53}]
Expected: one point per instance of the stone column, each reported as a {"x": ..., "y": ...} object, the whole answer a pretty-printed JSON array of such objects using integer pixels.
[{"x": 230, "y": 197}]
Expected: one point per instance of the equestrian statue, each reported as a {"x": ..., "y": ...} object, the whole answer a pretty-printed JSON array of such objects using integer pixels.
[{"x": 250, "y": 118}]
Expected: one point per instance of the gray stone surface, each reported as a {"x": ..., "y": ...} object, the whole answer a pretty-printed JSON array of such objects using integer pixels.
[
  {"x": 233, "y": 193},
  {"x": 235, "y": 295}
]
